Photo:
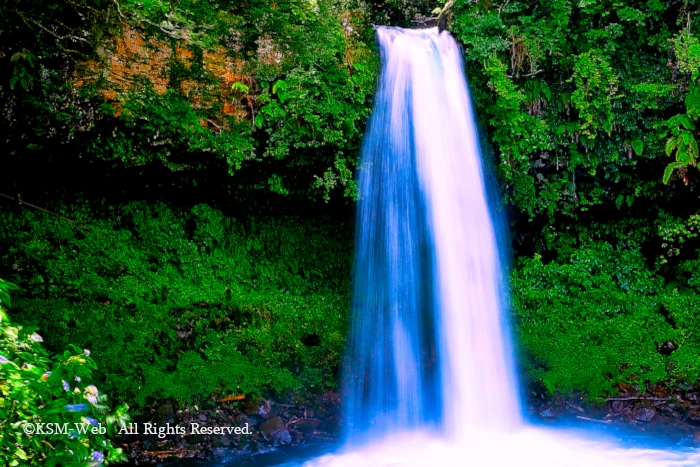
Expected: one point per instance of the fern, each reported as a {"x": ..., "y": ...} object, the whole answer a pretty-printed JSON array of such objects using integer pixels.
[
  {"x": 669, "y": 171},
  {"x": 671, "y": 145},
  {"x": 240, "y": 88}
]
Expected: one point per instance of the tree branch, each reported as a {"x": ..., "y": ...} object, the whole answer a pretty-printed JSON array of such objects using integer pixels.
[
  {"x": 637, "y": 398},
  {"x": 60, "y": 38}
]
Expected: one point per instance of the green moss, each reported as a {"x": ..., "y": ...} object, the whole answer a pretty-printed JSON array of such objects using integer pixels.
[
  {"x": 598, "y": 316},
  {"x": 186, "y": 304}
]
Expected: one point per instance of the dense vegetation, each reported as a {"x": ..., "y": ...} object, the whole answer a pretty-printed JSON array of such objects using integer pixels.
[
  {"x": 54, "y": 393},
  {"x": 197, "y": 160},
  {"x": 591, "y": 107},
  {"x": 187, "y": 304},
  {"x": 275, "y": 91},
  {"x": 184, "y": 153}
]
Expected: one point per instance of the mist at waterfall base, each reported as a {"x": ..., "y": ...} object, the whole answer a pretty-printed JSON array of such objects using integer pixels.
[{"x": 430, "y": 378}]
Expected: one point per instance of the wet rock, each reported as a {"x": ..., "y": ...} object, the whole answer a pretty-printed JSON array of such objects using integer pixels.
[
  {"x": 693, "y": 416},
  {"x": 660, "y": 390},
  {"x": 264, "y": 409},
  {"x": 331, "y": 398},
  {"x": 275, "y": 430},
  {"x": 165, "y": 413},
  {"x": 270, "y": 424},
  {"x": 642, "y": 414},
  {"x": 243, "y": 420},
  {"x": 306, "y": 425},
  {"x": 668, "y": 347},
  {"x": 547, "y": 413}
]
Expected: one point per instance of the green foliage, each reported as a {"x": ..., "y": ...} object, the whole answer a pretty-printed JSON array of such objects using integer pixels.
[
  {"x": 39, "y": 47},
  {"x": 5, "y": 299},
  {"x": 186, "y": 304},
  {"x": 314, "y": 103},
  {"x": 166, "y": 128},
  {"x": 399, "y": 12},
  {"x": 54, "y": 393},
  {"x": 598, "y": 317},
  {"x": 583, "y": 103},
  {"x": 306, "y": 72},
  {"x": 682, "y": 142},
  {"x": 572, "y": 92},
  {"x": 687, "y": 49},
  {"x": 594, "y": 87},
  {"x": 240, "y": 87},
  {"x": 674, "y": 233}
]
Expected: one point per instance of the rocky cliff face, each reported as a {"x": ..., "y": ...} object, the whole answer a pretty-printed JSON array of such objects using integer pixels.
[
  {"x": 128, "y": 60},
  {"x": 190, "y": 85}
]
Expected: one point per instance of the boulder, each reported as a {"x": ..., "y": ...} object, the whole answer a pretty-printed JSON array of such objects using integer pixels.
[
  {"x": 276, "y": 432},
  {"x": 643, "y": 414}
]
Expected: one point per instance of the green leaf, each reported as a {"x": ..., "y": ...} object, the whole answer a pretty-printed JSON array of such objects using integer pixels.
[
  {"x": 240, "y": 88},
  {"x": 670, "y": 145},
  {"x": 669, "y": 171},
  {"x": 693, "y": 145},
  {"x": 638, "y": 146},
  {"x": 278, "y": 85},
  {"x": 692, "y": 100}
]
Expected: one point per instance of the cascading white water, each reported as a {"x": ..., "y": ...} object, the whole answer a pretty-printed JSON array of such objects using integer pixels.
[
  {"x": 430, "y": 378},
  {"x": 478, "y": 383}
]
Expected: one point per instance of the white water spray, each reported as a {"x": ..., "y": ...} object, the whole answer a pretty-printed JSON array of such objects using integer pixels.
[{"x": 478, "y": 383}]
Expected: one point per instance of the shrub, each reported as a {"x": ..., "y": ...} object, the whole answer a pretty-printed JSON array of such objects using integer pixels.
[
  {"x": 39, "y": 391},
  {"x": 597, "y": 317},
  {"x": 187, "y": 304}
]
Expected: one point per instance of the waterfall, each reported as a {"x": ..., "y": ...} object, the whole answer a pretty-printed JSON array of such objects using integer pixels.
[
  {"x": 428, "y": 345},
  {"x": 429, "y": 374}
]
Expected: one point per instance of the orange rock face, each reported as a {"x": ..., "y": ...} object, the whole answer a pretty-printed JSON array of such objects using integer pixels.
[{"x": 132, "y": 56}]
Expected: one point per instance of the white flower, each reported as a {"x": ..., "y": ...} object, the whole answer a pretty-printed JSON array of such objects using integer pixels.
[
  {"x": 91, "y": 394},
  {"x": 36, "y": 337},
  {"x": 87, "y": 352}
]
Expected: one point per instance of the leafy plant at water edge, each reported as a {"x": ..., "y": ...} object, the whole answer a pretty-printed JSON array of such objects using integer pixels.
[{"x": 40, "y": 395}]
